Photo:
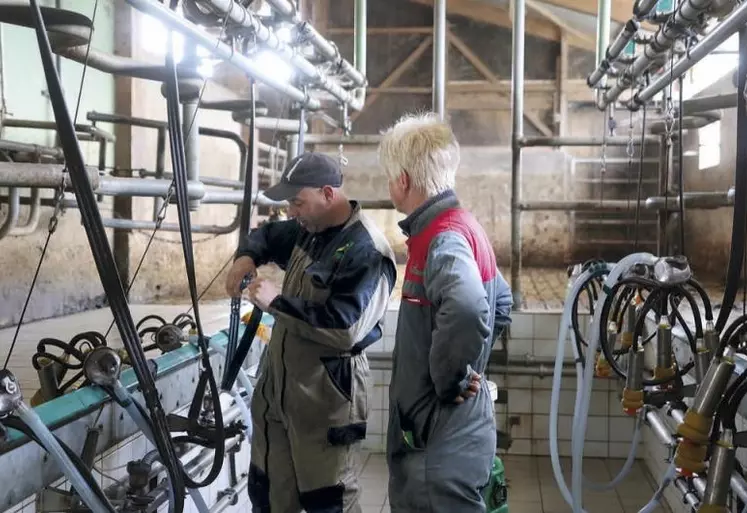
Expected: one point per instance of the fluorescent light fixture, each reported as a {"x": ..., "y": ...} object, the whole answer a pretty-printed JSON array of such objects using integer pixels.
[
  {"x": 284, "y": 34},
  {"x": 273, "y": 65}
]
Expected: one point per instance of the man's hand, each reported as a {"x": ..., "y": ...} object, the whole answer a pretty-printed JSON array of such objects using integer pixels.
[
  {"x": 472, "y": 388},
  {"x": 262, "y": 292},
  {"x": 241, "y": 267}
]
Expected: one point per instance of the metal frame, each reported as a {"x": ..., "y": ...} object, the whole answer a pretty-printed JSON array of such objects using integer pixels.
[{"x": 25, "y": 464}]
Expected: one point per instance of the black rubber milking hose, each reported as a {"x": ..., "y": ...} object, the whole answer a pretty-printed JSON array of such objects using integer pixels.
[
  {"x": 703, "y": 296},
  {"x": 739, "y": 222},
  {"x": 179, "y": 168},
  {"x": 104, "y": 259}
]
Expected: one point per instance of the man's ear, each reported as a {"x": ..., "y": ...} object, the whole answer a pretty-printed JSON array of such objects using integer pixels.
[
  {"x": 404, "y": 181},
  {"x": 328, "y": 192}
]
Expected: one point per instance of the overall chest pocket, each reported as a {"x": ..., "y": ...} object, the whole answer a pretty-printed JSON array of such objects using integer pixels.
[{"x": 317, "y": 281}]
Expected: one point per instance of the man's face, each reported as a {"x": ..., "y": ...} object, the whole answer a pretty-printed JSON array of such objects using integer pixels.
[
  {"x": 398, "y": 191},
  {"x": 310, "y": 206}
]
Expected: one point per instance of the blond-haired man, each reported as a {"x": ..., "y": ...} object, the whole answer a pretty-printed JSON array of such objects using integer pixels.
[{"x": 441, "y": 438}]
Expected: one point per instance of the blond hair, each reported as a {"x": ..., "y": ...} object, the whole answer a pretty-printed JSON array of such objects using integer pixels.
[{"x": 423, "y": 146}]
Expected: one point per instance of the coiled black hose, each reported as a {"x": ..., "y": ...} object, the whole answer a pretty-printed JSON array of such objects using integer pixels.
[{"x": 658, "y": 295}]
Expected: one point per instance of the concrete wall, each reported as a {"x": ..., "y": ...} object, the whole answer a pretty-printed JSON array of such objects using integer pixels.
[
  {"x": 709, "y": 231},
  {"x": 64, "y": 288},
  {"x": 67, "y": 280},
  {"x": 484, "y": 186}
]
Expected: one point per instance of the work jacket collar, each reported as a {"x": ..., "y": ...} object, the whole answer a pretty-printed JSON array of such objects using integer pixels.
[{"x": 427, "y": 212}]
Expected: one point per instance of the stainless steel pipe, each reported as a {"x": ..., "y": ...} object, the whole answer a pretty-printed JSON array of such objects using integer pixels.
[
  {"x": 111, "y": 186},
  {"x": 517, "y": 134},
  {"x": 327, "y": 49},
  {"x": 248, "y": 20},
  {"x": 660, "y": 429},
  {"x": 221, "y": 50},
  {"x": 14, "y": 209},
  {"x": 439, "y": 57},
  {"x": 557, "y": 142},
  {"x": 190, "y": 124},
  {"x": 14, "y": 174},
  {"x": 714, "y": 38},
  {"x": 130, "y": 224}
]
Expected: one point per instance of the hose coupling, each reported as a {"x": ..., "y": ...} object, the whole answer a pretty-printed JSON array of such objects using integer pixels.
[
  {"x": 10, "y": 393},
  {"x": 102, "y": 366},
  {"x": 169, "y": 338},
  {"x": 632, "y": 397},
  {"x": 701, "y": 358},
  {"x": 696, "y": 425},
  {"x": 722, "y": 463},
  {"x": 602, "y": 368},
  {"x": 711, "y": 337}
]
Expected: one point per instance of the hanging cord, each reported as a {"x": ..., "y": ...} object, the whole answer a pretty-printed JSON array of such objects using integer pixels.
[
  {"x": 105, "y": 264},
  {"x": 176, "y": 140},
  {"x": 681, "y": 177},
  {"x": 630, "y": 152},
  {"x": 161, "y": 216},
  {"x": 668, "y": 126},
  {"x": 639, "y": 191},
  {"x": 273, "y": 142},
  {"x": 59, "y": 197}
]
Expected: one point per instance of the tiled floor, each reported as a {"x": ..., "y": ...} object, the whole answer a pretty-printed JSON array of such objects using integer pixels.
[{"x": 532, "y": 487}]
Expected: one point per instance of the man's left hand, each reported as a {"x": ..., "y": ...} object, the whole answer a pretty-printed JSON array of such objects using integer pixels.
[
  {"x": 262, "y": 292},
  {"x": 472, "y": 388}
]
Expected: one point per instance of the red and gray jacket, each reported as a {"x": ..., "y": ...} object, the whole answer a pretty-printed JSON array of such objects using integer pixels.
[{"x": 453, "y": 299}]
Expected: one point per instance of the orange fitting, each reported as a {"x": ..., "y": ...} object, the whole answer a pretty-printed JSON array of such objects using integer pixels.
[
  {"x": 695, "y": 428},
  {"x": 690, "y": 457},
  {"x": 664, "y": 372},
  {"x": 632, "y": 400},
  {"x": 245, "y": 318},
  {"x": 602, "y": 368},
  {"x": 627, "y": 340}
]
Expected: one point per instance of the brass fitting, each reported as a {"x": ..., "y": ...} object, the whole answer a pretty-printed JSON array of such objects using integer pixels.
[
  {"x": 664, "y": 373},
  {"x": 602, "y": 367},
  {"x": 626, "y": 340},
  {"x": 690, "y": 457},
  {"x": 695, "y": 427},
  {"x": 632, "y": 400}
]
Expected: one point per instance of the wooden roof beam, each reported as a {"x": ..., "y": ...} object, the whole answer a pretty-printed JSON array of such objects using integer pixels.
[{"x": 485, "y": 12}]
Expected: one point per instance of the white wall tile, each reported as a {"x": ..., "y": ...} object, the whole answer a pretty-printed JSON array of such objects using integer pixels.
[
  {"x": 541, "y": 401},
  {"x": 518, "y": 382},
  {"x": 520, "y": 401},
  {"x": 596, "y": 450},
  {"x": 597, "y": 429},
  {"x": 520, "y": 347},
  {"x": 621, "y": 429},
  {"x": 541, "y": 427},
  {"x": 546, "y": 325},
  {"x": 522, "y": 325},
  {"x": 524, "y": 429},
  {"x": 521, "y": 447},
  {"x": 545, "y": 347}
]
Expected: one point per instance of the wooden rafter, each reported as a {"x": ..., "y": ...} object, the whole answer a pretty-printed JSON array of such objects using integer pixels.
[
  {"x": 566, "y": 28},
  {"x": 622, "y": 10},
  {"x": 483, "y": 68},
  {"x": 397, "y": 73},
  {"x": 485, "y": 12}
]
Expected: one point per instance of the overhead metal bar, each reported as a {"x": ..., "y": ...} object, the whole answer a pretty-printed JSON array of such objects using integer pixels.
[
  {"x": 517, "y": 134},
  {"x": 243, "y": 17},
  {"x": 715, "y": 37},
  {"x": 221, "y": 50}
]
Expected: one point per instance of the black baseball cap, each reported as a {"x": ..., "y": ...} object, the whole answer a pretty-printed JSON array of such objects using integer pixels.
[{"x": 307, "y": 170}]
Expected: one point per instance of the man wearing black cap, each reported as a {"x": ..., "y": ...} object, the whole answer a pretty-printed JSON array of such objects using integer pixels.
[{"x": 310, "y": 405}]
